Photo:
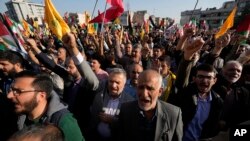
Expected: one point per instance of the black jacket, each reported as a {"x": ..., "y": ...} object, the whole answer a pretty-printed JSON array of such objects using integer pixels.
[
  {"x": 240, "y": 105},
  {"x": 187, "y": 101}
]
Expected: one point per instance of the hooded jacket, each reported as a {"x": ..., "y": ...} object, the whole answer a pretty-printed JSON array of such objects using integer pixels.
[{"x": 57, "y": 114}]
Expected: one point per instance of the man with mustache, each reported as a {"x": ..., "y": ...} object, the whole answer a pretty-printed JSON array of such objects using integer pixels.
[
  {"x": 36, "y": 103},
  {"x": 10, "y": 64},
  {"x": 148, "y": 118}
]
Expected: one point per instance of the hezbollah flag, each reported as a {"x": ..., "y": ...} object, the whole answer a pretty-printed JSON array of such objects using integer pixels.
[
  {"x": 91, "y": 28},
  {"x": 227, "y": 24},
  {"x": 55, "y": 22},
  {"x": 26, "y": 27}
]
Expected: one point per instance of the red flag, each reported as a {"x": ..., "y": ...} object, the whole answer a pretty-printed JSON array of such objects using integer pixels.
[
  {"x": 116, "y": 9},
  {"x": 115, "y": 3},
  {"x": 146, "y": 26},
  {"x": 244, "y": 27},
  {"x": 244, "y": 24}
]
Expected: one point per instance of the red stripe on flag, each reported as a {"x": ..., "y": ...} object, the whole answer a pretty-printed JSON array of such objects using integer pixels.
[
  {"x": 244, "y": 25},
  {"x": 4, "y": 30}
]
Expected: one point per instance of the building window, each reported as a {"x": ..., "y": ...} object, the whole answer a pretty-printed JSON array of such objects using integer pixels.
[{"x": 241, "y": 5}]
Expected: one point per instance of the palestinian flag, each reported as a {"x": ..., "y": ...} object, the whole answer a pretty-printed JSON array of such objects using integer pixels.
[
  {"x": 13, "y": 26},
  {"x": 244, "y": 26},
  {"x": 5, "y": 34}
]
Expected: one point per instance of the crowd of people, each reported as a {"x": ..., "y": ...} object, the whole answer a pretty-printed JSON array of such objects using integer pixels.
[{"x": 117, "y": 85}]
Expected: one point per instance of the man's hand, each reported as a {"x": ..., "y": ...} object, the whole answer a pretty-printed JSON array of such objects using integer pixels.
[
  {"x": 189, "y": 32},
  {"x": 193, "y": 47},
  {"x": 106, "y": 118},
  {"x": 222, "y": 41},
  {"x": 31, "y": 42},
  {"x": 69, "y": 40},
  {"x": 101, "y": 37}
]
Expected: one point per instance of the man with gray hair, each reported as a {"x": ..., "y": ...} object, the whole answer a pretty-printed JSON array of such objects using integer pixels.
[
  {"x": 106, "y": 105},
  {"x": 149, "y": 119},
  {"x": 236, "y": 108}
]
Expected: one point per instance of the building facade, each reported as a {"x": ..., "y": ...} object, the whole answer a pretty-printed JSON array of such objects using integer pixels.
[
  {"x": 124, "y": 17},
  {"x": 214, "y": 17},
  {"x": 76, "y": 18},
  {"x": 188, "y": 14},
  {"x": 23, "y": 9},
  {"x": 137, "y": 17}
]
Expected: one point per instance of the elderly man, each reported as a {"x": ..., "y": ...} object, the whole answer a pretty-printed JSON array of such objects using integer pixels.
[
  {"x": 236, "y": 97},
  {"x": 106, "y": 105},
  {"x": 149, "y": 119}
]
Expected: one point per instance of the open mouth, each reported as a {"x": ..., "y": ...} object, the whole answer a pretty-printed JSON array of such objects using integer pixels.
[
  {"x": 17, "y": 106},
  {"x": 145, "y": 101},
  {"x": 234, "y": 77},
  {"x": 203, "y": 86}
]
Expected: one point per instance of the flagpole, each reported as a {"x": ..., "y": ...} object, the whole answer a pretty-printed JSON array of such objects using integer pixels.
[
  {"x": 104, "y": 16},
  {"x": 193, "y": 10},
  {"x": 94, "y": 9}
]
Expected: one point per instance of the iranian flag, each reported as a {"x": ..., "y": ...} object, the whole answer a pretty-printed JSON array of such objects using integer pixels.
[
  {"x": 6, "y": 36},
  {"x": 244, "y": 26}
]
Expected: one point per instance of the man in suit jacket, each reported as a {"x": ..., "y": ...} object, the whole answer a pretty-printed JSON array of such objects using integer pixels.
[
  {"x": 149, "y": 118},
  {"x": 106, "y": 106}
]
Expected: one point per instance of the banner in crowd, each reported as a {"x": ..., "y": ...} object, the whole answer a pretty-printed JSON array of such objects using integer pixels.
[
  {"x": 55, "y": 22},
  {"x": 244, "y": 26},
  {"x": 227, "y": 24},
  {"x": 116, "y": 10},
  {"x": 6, "y": 36}
]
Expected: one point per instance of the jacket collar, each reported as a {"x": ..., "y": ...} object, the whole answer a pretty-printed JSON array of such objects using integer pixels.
[
  {"x": 54, "y": 105},
  {"x": 162, "y": 124}
]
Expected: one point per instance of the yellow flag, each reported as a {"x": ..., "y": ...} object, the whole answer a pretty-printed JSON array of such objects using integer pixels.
[
  {"x": 91, "y": 29},
  {"x": 227, "y": 24},
  {"x": 26, "y": 27},
  {"x": 117, "y": 21},
  {"x": 87, "y": 17},
  {"x": 35, "y": 24},
  {"x": 55, "y": 22},
  {"x": 142, "y": 34}
]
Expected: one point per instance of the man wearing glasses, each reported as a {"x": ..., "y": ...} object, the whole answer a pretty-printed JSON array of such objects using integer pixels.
[
  {"x": 36, "y": 103},
  {"x": 200, "y": 105}
]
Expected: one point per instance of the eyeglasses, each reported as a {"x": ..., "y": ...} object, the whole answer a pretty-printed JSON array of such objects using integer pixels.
[{"x": 16, "y": 91}]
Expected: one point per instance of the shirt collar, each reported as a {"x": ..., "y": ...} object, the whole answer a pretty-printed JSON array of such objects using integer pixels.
[
  {"x": 208, "y": 99},
  {"x": 155, "y": 113}
]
